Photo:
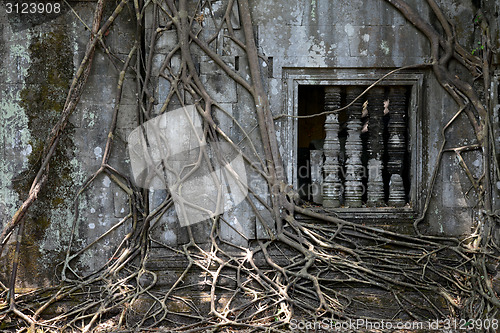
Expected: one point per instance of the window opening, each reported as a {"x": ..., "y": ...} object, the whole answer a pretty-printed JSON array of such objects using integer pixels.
[{"x": 360, "y": 156}]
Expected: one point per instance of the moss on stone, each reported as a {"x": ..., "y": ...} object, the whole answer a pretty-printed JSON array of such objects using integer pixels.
[{"x": 46, "y": 85}]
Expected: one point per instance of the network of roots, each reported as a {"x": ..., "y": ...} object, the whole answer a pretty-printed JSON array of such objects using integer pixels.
[{"x": 311, "y": 265}]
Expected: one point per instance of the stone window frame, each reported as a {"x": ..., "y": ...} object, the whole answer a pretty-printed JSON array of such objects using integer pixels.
[{"x": 294, "y": 77}]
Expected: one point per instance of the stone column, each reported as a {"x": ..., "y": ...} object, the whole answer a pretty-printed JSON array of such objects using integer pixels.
[
  {"x": 353, "y": 149},
  {"x": 331, "y": 182},
  {"x": 396, "y": 145},
  {"x": 375, "y": 197}
]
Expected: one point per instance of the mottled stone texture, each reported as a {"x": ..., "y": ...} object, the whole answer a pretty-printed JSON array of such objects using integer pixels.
[{"x": 38, "y": 59}]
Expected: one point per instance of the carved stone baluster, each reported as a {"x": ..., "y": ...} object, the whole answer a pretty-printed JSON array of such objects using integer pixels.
[
  {"x": 331, "y": 182},
  {"x": 353, "y": 149},
  {"x": 375, "y": 195},
  {"x": 396, "y": 145}
]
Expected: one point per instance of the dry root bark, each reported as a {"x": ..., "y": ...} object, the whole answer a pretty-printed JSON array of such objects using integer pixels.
[{"x": 305, "y": 270}]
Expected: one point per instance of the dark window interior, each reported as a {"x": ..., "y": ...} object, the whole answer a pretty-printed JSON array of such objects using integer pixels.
[
  {"x": 311, "y": 133},
  {"x": 311, "y": 136}
]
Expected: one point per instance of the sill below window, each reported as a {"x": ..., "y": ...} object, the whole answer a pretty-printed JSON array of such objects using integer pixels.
[
  {"x": 399, "y": 220},
  {"x": 367, "y": 214}
]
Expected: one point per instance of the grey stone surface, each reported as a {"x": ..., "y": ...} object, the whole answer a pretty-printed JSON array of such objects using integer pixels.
[
  {"x": 221, "y": 87},
  {"x": 166, "y": 228},
  {"x": 323, "y": 35},
  {"x": 166, "y": 41}
]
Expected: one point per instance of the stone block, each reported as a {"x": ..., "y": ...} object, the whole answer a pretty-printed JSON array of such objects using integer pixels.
[
  {"x": 105, "y": 85},
  {"x": 90, "y": 145},
  {"x": 453, "y": 195},
  {"x": 166, "y": 41},
  {"x": 208, "y": 66},
  {"x": 223, "y": 118},
  {"x": 162, "y": 90},
  {"x": 166, "y": 227},
  {"x": 149, "y": 18},
  {"x": 121, "y": 35},
  {"x": 265, "y": 228},
  {"x": 175, "y": 63},
  {"x": 129, "y": 92},
  {"x": 94, "y": 116},
  {"x": 219, "y": 86},
  {"x": 237, "y": 226},
  {"x": 157, "y": 64},
  {"x": 127, "y": 117},
  {"x": 122, "y": 133},
  {"x": 245, "y": 113},
  {"x": 200, "y": 231},
  {"x": 243, "y": 68},
  {"x": 231, "y": 48},
  {"x": 119, "y": 157}
]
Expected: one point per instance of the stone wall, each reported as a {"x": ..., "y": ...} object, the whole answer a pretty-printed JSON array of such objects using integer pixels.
[{"x": 39, "y": 56}]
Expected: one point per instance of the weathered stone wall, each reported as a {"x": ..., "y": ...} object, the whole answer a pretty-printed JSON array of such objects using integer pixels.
[
  {"x": 38, "y": 58},
  {"x": 372, "y": 34}
]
